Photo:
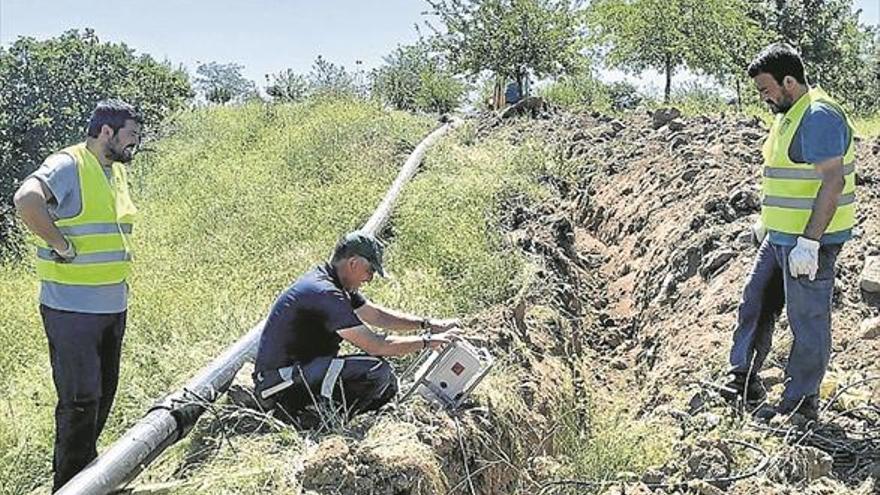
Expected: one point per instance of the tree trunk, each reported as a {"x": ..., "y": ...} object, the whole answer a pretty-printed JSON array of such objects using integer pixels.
[
  {"x": 498, "y": 94},
  {"x": 738, "y": 96},
  {"x": 668, "y": 79}
]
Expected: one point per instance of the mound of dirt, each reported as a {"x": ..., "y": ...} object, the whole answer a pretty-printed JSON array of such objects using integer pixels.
[{"x": 664, "y": 205}]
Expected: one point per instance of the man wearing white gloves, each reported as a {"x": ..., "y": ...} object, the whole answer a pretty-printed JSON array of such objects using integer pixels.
[{"x": 808, "y": 211}]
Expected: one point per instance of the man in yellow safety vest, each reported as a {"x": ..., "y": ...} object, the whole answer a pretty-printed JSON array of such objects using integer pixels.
[
  {"x": 77, "y": 204},
  {"x": 807, "y": 213}
]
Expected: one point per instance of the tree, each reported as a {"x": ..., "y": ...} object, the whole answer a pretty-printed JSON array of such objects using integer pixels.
[
  {"x": 329, "y": 79},
  {"x": 836, "y": 49},
  {"x": 49, "y": 89},
  {"x": 222, "y": 83},
  {"x": 415, "y": 77},
  {"x": 737, "y": 36},
  {"x": 708, "y": 36},
  {"x": 512, "y": 39},
  {"x": 287, "y": 86}
]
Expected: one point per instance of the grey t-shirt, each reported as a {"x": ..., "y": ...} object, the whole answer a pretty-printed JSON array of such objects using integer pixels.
[{"x": 59, "y": 174}]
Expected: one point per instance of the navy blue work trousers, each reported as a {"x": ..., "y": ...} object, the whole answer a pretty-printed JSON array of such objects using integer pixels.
[
  {"x": 365, "y": 383},
  {"x": 84, "y": 351},
  {"x": 807, "y": 303}
]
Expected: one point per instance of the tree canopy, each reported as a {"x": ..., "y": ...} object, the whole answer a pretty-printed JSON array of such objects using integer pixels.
[{"x": 510, "y": 39}]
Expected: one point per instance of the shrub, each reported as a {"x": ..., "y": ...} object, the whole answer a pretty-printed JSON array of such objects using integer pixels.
[
  {"x": 415, "y": 78},
  {"x": 585, "y": 91}
]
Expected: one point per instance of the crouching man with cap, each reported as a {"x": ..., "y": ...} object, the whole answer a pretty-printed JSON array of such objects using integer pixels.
[{"x": 297, "y": 361}]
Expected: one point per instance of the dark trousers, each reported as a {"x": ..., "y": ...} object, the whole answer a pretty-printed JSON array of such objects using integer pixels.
[
  {"x": 769, "y": 288},
  {"x": 365, "y": 383},
  {"x": 84, "y": 350}
]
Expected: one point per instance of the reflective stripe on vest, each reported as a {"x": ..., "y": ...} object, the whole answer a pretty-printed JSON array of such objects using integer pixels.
[
  {"x": 805, "y": 203},
  {"x": 789, "y": 188},
  {"x": 801, "y": 173},
  {"x": 99, "y": 233},
  {"x": 96, "y": 228},
  {"x": 85, "y": 259}
]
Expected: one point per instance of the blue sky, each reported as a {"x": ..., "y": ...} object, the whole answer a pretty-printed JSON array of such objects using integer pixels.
[{"x": 265, "y": 36}]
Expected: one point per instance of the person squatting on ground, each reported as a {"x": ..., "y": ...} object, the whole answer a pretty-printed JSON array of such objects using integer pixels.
[
  {"x": 77, "y": 204},
  {"x": 807, "y": 212},
  {"x": 297, "y": 362}
]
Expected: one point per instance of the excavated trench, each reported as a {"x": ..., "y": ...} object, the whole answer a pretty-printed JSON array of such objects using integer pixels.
[
  {"x": 663, "y": 205},
  {"x": 641, "y": 255}
]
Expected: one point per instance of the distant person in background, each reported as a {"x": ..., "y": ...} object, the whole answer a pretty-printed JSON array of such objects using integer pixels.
[
  {"x": 297, "y": 361},
  {"x": 513, "y": 93},
  {"x": 807, "y": 213},
  {"x": 77, "y": 204}
]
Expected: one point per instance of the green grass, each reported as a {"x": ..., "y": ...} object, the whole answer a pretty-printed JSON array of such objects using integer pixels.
[
  {"x": 606, "y": 442},
  {"x": 234, "y": 205},
  {"x": 868, "y": 126},
  {"x": 447, "y": 255},
  {"x": 580, "y": 92}
]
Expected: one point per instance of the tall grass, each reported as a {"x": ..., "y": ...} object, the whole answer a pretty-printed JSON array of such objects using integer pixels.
[
  {"x": 234, "y": 206},
  {"x": 447, "y": 253}
]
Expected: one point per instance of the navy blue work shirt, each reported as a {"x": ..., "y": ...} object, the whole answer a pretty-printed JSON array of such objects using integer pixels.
[{"x": 303, "y": 322}]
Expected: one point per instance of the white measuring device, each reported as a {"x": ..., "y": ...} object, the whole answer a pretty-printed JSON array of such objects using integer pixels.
[{"x": 448, "y": 376}]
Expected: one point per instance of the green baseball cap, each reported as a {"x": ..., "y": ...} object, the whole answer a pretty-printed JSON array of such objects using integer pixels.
[{"x": 364, "y": 245}]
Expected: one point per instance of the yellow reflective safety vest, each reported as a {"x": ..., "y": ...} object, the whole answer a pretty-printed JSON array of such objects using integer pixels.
[
  {"x": 790, "y": 188},
  {"x": 100, "y": 233}
]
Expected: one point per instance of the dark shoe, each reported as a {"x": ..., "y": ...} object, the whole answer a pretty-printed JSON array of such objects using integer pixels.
[
  {"x": 733, "y": 389},
  {"x": 800, "y": 411}
]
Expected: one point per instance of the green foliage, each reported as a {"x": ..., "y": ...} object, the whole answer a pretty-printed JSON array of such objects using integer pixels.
[
  {"x": 839, "y": 53},
  {"x": 604, "y": 441},
  {"x": 49, "y": 89},
  {"x": 287, "y": 86},
  {"x": 868, "y": 126},
  {"x": 448, "y": 255},
  {"x": 511, "y": 39},
  {"x": 708, "y": 36},
  {"x": 579, "y": 91},
  {"x": 694, "y": 98},
  {"x": 330, "y": 80},
  {"x": 222, "y": 83},
  {"x": 416, "y": 78},
  {"x": 325, "y": 80},
  {"x": 585, "y": 91}
]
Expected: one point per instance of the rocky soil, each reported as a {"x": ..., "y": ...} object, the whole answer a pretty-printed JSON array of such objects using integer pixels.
[{"x": 664, "y": 205}]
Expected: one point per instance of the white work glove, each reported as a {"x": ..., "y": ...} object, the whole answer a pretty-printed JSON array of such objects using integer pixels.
[
  {"x": 804, "y": 258},
  {"x": 758, "y": 232},
  {"x": 66, "y": 254}
]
